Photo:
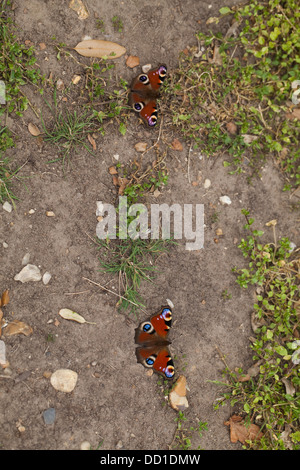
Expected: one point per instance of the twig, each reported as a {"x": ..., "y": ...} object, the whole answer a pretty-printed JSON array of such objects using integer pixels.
[{"x": 112, "y": 292}]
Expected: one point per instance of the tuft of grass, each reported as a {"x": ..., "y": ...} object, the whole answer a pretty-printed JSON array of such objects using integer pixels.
[
  {"x": 6, "y": 175},
  {"x": 270, "y": 395},
  {"x": 231, "y": 94}
]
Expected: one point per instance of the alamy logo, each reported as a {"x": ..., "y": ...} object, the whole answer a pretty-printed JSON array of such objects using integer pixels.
[{"x": 135, "y": 222}]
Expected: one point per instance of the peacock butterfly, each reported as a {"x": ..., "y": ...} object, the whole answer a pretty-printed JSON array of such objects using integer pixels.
[
  {"x": 151, "y": 336},
  {"x": 144, "y": 91}
]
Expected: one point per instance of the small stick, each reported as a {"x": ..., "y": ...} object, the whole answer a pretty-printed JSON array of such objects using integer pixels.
[{"x": 112, "y": 292}]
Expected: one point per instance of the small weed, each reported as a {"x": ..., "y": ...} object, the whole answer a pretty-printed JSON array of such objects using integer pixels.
[
  {"x": 117, "y": 23},
  {"x": 183, "y": 435},
  {"x": 6, "y": 175},
  {"x": 69, "y": 130},
  {"x": 226, "y": 295},
  {"x": 132, "y": 259},
  {"x": 133, "y": 262},
  {"x": 271, "y": 397}
]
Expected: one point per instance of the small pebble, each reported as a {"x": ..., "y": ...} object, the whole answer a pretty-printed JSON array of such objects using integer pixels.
[
  {"x": 25, "y": 259},
  {"x": 207, "y": 183},
  {"x": 7, "y": 206},
  {"x": 5, "y": 245},
  {"x": 49, "y": 416},
  {"x": 85, "y": 445},
  {"x": 225, "y": 200},
  {"x": 46, "y": 278},
  {"x": 28, "y": 273},
  {"x": 64, "y": 380}
]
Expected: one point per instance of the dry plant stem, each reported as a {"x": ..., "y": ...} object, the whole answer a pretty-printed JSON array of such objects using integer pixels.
[{"x": 112, "y": 292}]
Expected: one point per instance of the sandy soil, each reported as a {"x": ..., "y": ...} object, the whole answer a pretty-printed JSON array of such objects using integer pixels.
[{"x": 114, "y": 400}]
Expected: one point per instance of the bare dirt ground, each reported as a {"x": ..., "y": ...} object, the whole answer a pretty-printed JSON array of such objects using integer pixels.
[{"x": 114, "y": 400}]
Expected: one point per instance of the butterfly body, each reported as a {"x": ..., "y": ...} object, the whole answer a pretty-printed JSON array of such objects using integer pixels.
[
  {"x": 152, "y": 338},
  {"x": 144, "y": 91}
]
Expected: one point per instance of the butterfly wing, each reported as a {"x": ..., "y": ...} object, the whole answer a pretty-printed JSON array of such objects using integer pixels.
[
  {"x": 152, "y": 336},
  {"x": 155, "y": 329},
  {"x": 145, "y": 106},
  {"x": 157, "y": 358},
  {"x": 144, "y": 91}
]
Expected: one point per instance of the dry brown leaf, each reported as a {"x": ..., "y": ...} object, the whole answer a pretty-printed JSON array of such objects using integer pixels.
[
  {"x": 112, "y": 170},
  {"x": 141, "y": 146},
  {"x": 16, "y": 327},
  {"x": 4, "y": 298},
  {"x": 240, "y": 431},
  {"x": 123, "y": 183},
  {"x": 76, "y": 79},
  {"x": 132, "y": 61},
  {"x": 177, "y": 145},
  {"x": 100, "y": 48},
  {"x": 68, "y": 314},
  {"x": 231, "y": 127},
  {"x": 42, "y": 46},
  {"x": 295, "y": 114},
  {"x": 33, "y": 129},
  {"x": 92, "y": 141}
]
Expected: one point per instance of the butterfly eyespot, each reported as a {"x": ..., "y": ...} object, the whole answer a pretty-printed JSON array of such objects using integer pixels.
[
  {"x": 167, "y": 314},
  {"x": 152, "y": 119},
  {"x": 138, "y": 106},
  {"x": 144, "y": 79},
  {"x": 162, "y": 72},
  {"x": 147, "y": 327},
  {"x": 150, "y": 361},
  {"x": 169, "y": 372}
]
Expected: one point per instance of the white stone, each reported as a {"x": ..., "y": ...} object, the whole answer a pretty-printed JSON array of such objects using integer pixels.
[
  {"x": 5, "y": 245},
  {"x": 225, "y": 200},
  {"x": 28, "y": 273},
  {"x": 207, "y": 183},
  {"x": 7, "y": 206},
  {"x": 25, "y": 259},
  {"x": 64, "y": 380},
  {"x": 46, "y": 278}
]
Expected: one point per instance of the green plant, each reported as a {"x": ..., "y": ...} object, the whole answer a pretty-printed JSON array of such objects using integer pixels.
[
  {"x": 270, "y": 396},
  {"x": 133, "y": 262},
  {"x": 182, "y": 439},
  {"x": 230, "y": 94},
  {"x": 6, "y": 175},
  {"x": 117, "y": 23},
  {"x": 17, "y": 66},
  {"x": 69, "y": 129}
]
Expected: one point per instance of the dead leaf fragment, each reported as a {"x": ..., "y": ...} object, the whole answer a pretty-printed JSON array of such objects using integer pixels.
[
  {"x": 112, "y": 170},
  {"x": 76, "y": 79},
  {"x": 68, "y": 314},
  {"x": 231, "y": 127},
  {"x": 4, "y": 298},
  {"x": 33, "y": 129},
  {"x": 141, "y": 146},
  {"x": 100, "y": 48},
  {"x": 42, "y": 46},
  {"x": 132, "y": 61},
  {"x": 92, "y": 141},
  {"x": 177, "y": 145},
  {"x": 242, "y": 432},
  {"x": 78, "y": 6},
  {"x": 17, "y": 327}
]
